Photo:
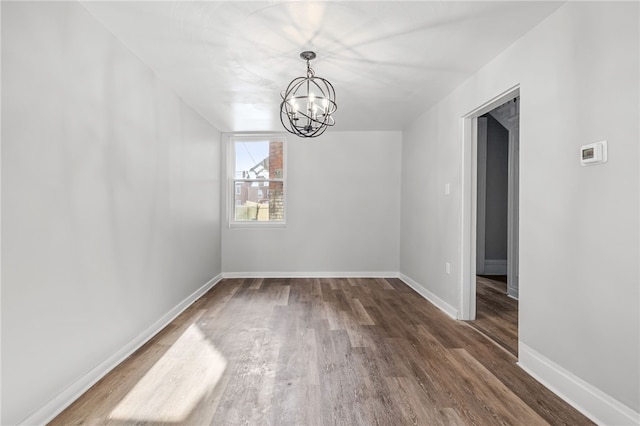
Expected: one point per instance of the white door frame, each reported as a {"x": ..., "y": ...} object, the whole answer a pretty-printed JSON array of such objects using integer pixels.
[
  {"x": 469, "y": 200},
  {"x": 513, "y": 237},
  {"x": 481, "y": 193}
]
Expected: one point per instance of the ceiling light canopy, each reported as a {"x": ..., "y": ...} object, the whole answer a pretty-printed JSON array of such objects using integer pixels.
[{"x": 308, "y": 103}]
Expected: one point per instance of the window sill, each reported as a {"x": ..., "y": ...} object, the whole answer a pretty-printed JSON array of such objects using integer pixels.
[{"x": 257, "y": 225}]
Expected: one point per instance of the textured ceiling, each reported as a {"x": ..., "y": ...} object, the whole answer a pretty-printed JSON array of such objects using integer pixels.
[{"x": 388, "y": 61}]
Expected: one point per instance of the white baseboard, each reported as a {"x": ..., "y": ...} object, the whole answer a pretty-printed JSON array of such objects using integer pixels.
[
  {"x": 374, "y": 274},
  {"x": 495, "y": 267},
  {"x": 441, "y": 304},
  {"x": 589, "y": 400},
  {"x": 55, "y": 406}
]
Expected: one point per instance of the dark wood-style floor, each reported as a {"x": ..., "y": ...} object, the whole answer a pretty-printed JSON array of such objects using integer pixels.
[
  {"x": 318, "y": 352},
  {"x": 496, "y": 313}
]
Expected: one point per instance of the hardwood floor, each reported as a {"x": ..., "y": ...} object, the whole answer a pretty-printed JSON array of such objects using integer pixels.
[
  {"x": 496, "y": 313},
  {"x": 318, "y": 352}
]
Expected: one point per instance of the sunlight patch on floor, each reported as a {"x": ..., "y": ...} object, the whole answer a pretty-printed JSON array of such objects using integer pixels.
[{"x": 175, "y": 384}]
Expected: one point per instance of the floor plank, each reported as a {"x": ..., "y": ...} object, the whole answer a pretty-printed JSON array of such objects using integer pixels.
[{"x": 315, "y": 351}]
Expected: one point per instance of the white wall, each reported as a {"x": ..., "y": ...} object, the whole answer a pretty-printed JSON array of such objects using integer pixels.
[
  {"x": 579, "y": 233},
  {"x": 343, "y": 210},
  {"x": 110, "y": 200}
]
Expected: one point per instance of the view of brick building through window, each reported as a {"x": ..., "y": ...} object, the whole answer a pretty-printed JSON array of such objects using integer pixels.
[
  {"x": 259, "y": 181},
  {"x": 276, "y": 192}
]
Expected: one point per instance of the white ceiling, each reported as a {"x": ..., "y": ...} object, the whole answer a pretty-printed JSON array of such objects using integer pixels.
[{"x": 388, "y": 60}]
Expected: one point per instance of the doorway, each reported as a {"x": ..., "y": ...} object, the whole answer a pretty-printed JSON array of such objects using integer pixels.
[
  {"x": 490, "y": 282},
  {"x": 496, "y": 225}
]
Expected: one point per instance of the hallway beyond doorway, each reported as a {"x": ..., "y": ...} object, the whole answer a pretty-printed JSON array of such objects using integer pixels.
[{"x": 496, "y": 313}]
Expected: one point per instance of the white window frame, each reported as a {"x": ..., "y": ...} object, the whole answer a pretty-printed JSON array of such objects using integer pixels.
[{"x": 231, "y": 156}]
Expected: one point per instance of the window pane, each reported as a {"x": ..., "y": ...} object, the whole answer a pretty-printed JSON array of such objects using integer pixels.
[
  {"x": 259, "y": 201},
  {"x": 258, "y": 160},
  {"x": 276, "y": 201}
]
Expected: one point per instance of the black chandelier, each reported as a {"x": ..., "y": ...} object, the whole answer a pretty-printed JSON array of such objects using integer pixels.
[{"x": 308, "y": 103}]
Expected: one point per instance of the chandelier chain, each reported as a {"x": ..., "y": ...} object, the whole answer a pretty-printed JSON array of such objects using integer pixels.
[{"x": 310, "y": 72}]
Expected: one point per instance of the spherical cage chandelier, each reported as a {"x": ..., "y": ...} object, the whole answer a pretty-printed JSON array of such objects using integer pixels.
[{"x": 308, "y": 103}]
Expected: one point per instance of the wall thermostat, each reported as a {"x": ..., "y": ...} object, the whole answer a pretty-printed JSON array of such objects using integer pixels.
[{"x": 594, "y": 153}]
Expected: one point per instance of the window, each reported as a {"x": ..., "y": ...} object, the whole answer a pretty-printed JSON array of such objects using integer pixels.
[{"x": 258, "y": 171}]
